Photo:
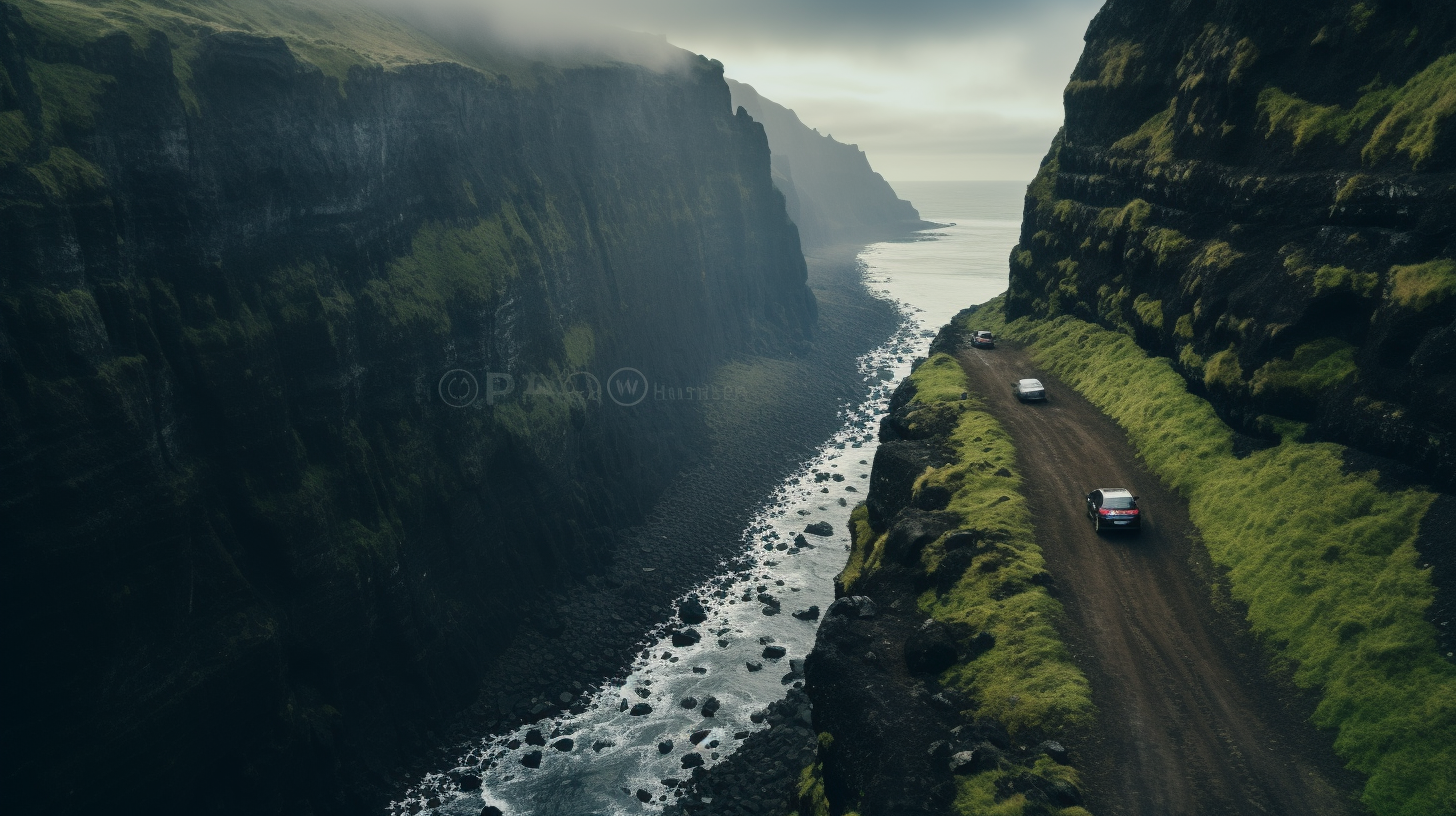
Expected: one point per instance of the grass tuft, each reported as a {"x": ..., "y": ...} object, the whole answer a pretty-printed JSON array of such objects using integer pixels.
[
  {"x": 1315, "y": 368},
  {"x": 1154, "y": 138},
  {"x": 1423, "y": 285},
  {"x": 1408, "y": 120}
]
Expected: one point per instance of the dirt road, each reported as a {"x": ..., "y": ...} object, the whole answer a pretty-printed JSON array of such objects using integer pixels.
[{"x": 1187, "y": 723}]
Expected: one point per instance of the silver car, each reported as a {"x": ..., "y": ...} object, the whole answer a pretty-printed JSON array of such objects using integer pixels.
[{"x": 1029, "y": 390}]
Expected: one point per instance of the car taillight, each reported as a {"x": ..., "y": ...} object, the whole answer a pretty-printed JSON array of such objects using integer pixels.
[
  {"x": 1133, "y": 511},
  {"x": 1104, "y": 511}
]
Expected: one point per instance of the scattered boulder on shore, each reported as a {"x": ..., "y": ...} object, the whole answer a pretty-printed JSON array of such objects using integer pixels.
[
  {"x": 641, "y": 709},
  {"x": 534, "y": 737},
  {"x": 754, "y": 665},
  {"x": 711, "y": 706},
  {"x": 643, "y": 796},
  {"x": 801, "y": 542},
  {"x": 692, "y": 760},
  {"x": 531, "y": 759},
  {"x": 774, "y": 652},
  {"x": 491, "y": 810},
  {"x": 689, "y": 702},
  {"x": 691, "y": 610},
  {"x": 699, "y": 736},
  {"x": 810, "y": 614},
  {"x": 469, "y": 782},
  {"x": 564, "y": 744},
  {"x": 686, "y": 637},
  {"x": 664, "y": 747},
  {"x": 820, "y": 528}
]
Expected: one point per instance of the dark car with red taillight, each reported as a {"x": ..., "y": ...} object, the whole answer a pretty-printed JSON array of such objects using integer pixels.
[{"x": 1114, "y": 508}]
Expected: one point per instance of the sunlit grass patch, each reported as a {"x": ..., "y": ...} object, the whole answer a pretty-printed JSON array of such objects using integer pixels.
[{"x": 1422, "y": 285}]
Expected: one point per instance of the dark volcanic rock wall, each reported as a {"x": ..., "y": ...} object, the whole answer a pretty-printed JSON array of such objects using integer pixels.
[
  {"x": 247, "y": 544},
  {"x": 1263, "y": 192},
  {"x": 833, "y": 194}
]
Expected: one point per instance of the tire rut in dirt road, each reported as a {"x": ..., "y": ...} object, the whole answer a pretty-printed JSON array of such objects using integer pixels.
[{"x": 1187, "y": 722}]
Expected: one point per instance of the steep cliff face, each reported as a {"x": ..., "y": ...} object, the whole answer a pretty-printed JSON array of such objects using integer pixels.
[
  {"x": 833, "y": 194},
  {"x": 1263, "y": 192},
  {"x": 249, "y": 538}
]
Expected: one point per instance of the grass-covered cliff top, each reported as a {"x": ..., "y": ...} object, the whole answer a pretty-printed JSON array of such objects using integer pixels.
[{"x": 333, "y": 35}]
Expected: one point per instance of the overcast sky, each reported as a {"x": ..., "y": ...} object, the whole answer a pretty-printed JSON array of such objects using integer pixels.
[{"x": 930, "y": 89}]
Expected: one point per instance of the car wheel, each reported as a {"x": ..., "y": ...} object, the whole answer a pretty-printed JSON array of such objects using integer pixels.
[{"x": 1096, "y": 524}]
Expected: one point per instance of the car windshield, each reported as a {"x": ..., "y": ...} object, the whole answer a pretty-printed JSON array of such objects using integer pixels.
[{"x": 1118, "y": 502}]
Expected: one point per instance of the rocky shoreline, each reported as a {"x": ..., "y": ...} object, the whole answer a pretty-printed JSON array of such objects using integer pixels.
[{"x": 586, "y": 633}]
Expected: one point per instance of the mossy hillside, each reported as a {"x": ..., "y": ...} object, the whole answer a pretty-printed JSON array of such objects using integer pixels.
[
  {"x": 812, "y": 799},
  {"x": 451, "y": 269},
  {"x": 15, "y": 136},
  {"x": 69, "y": 103},
  {"x": 1324, "y": 559},
  {"x": 70, "y": 96},
  {"x": 1313, "y": 368},
  {"x": 1407, "y": 120},
  {"x": 1027, "y": 680}
]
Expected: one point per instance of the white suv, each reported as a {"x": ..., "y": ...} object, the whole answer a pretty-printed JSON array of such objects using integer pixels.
[{"x": 1029, "y": 390}]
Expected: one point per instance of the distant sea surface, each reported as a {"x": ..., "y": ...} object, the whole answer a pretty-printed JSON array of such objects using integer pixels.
[{"x": 938, "y": 272}]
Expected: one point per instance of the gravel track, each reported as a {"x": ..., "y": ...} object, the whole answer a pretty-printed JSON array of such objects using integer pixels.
[{"x": 1189, "y": 722}]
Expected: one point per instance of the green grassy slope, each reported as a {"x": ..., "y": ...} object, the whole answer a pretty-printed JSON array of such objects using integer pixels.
[
  {"x": 1028, "y": 679},
  {"x": 1323, "y": 558}
]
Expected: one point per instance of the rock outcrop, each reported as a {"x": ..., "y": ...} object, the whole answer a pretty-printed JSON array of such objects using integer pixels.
[
  {"x": 1261, "y": 192},
  {"x": 832, "y": 192},
  {"x": 257, "y": 538}
]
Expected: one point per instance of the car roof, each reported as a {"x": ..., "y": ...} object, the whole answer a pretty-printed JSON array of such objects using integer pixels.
[
  {"x": 983, "y": 331},
  {"x": 1029, "y": 381},
  {"x": 1114, "y": 492}
]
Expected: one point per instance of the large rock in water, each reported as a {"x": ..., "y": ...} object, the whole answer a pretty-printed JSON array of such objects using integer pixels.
[
  {"x": 686, "y": 637},
  {"x": 820, "y": 528}
]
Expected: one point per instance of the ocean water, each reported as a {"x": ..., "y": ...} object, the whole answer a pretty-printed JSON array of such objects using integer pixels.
[
  {"x": 931, "y": 276},
  {"x": 942, "y": 271}
]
